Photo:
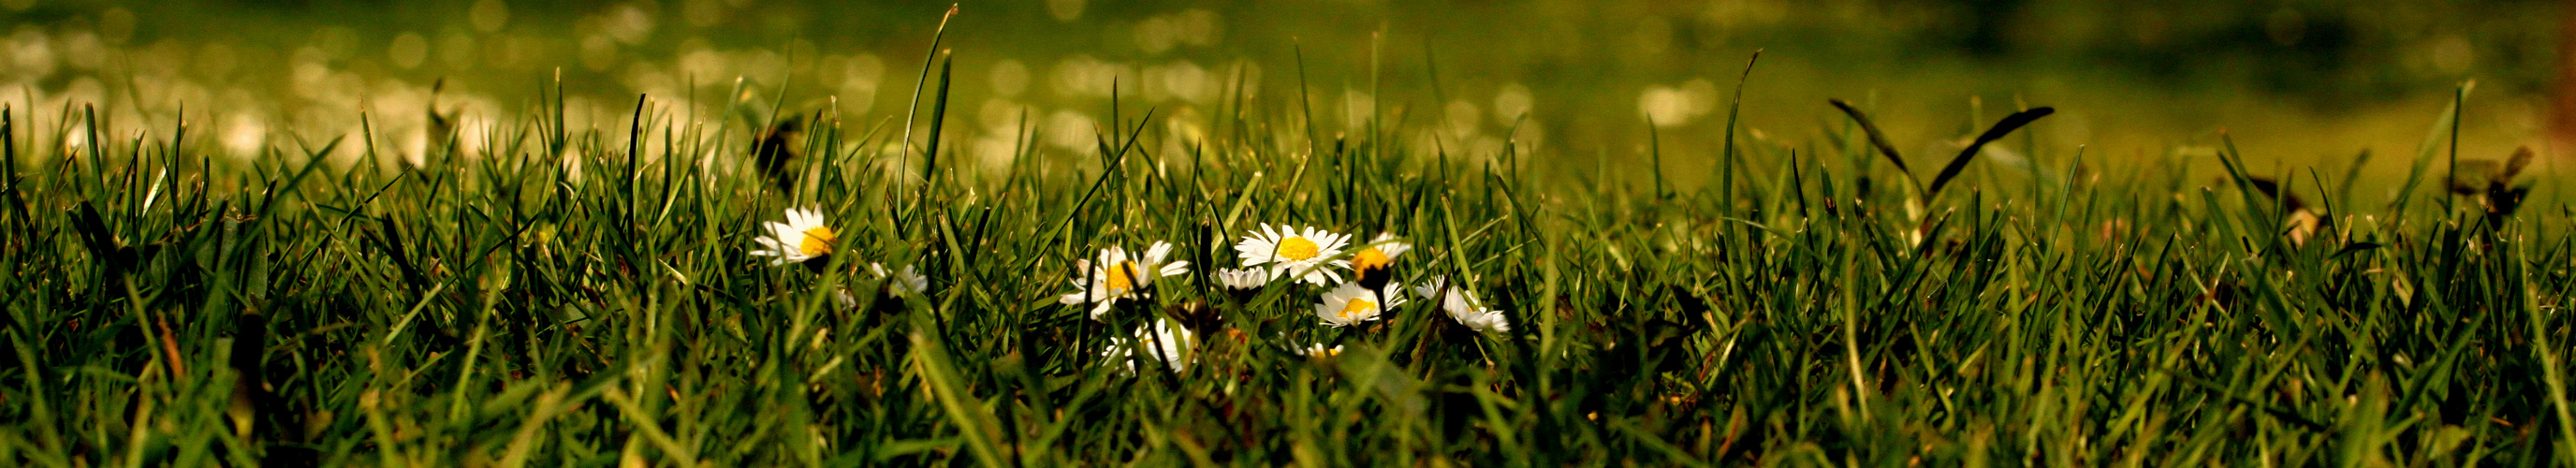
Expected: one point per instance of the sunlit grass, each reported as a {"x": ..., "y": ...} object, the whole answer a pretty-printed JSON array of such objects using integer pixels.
[{"x": 543, "y": 290}]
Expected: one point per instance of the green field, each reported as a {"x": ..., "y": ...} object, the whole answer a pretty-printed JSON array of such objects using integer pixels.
[{"x": 1261, "y": 278}]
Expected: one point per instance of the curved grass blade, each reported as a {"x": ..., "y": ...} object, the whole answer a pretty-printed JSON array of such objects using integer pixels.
[
  {"x": 2005, "y": 127},
  {"x": 1878, "y": 139}
]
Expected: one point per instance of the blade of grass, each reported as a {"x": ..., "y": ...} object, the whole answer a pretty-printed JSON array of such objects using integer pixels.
[
  {"x": 2001, "y": 128},
  {"x": 973, "y": 421},
  {"x": 1878, "y": 139}
]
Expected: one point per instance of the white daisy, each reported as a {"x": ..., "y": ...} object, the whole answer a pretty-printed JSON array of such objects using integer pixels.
[
  {"x": 803, "y": 237},
  {"x": 1116, "y": 276},
  {"x": 1318, "y": 351},
  {"x": 1369, "y": 264},
  {"x": 1463, "y": 306},
  {"x": 902, "y": 283},
  {"x": 1244, "y": 279},
  {"x": 1164, "y": 342},
  {"x": 1483, "y": 321},
  {"x": 1294, "y": 251},
  {"x": 1350, "y": 304}
]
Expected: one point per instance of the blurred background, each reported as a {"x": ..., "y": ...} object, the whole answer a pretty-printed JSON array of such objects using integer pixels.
[{"x": 2296, "y": 83}]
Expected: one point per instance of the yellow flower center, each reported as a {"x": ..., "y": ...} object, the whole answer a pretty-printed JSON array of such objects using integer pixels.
[
  {"x": 818, "y": 241},
  {"x": 1122, "y": 276},
  {"x": 1356, "y": 307},
  {"x": 1369, "y": 259},
  {"x": 1296, "y": 249}
]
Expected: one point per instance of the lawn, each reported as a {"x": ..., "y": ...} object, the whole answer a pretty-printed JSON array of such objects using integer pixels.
[{"x": 1267, "y": 289}]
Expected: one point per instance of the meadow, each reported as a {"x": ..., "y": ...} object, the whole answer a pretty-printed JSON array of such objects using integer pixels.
[{"x": 781, "y": 284}]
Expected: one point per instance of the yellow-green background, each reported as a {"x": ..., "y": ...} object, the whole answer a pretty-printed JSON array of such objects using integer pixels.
[{"x": 2297, "y": 83}]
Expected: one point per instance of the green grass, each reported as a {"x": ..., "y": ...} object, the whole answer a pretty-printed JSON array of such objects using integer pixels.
[{"x": 1815, "y": 308}]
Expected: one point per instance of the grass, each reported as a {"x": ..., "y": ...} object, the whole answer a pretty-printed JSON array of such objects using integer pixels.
[{"x": 587, "y": 296}]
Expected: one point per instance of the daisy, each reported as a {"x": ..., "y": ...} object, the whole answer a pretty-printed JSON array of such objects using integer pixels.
[
  {"x": 1350, "y": 304},
  {"x": 1244, "y": 279},
  {"x": 1116, "y": 276},
  {"x": 1295, "y": 251},
  {"x": 1483, "y": 321},
  {"x": 1164, "y": 342},
  {"x": 803, "y": 237},
  {"x": 1369, "y": 264},
  {"x": 901, "y": 283},
  {"x": 1318, "y": 351},
  {"x": 1243, "y": 283},
  {"x": 844, "y": 299},
  {"x": 1463, "y": 306}
]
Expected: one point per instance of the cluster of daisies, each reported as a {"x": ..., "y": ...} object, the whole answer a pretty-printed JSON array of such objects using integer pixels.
[
  {"x": 807, "y": 239},
  {"x": 1271, "y": 254},
  {"x": 1315, "y": 256},
  {"x": 1296, "y": 254}
]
